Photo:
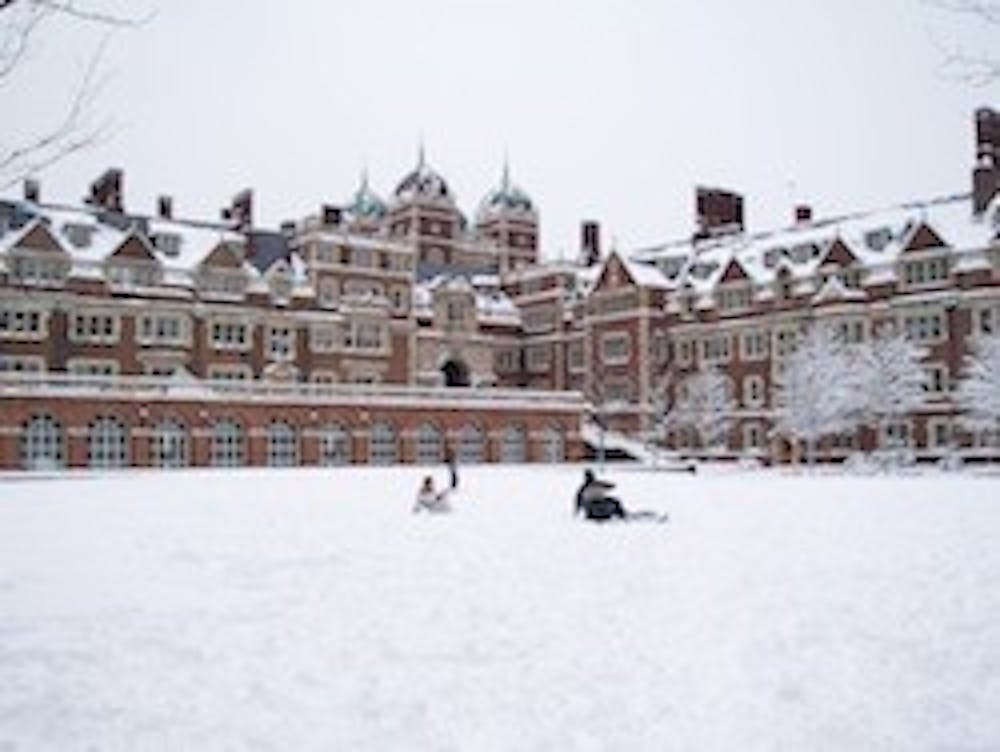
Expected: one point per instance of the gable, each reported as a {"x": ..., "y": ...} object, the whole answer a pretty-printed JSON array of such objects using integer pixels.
[
  {"x": 133, "y": 249},
  {"x": 613, "y": 275},
  {"x": 924, "y": 237},
  {"x": 223, "y": 257},
  {"x": 734, "y": 273},
  {"x": 838, "y": 253},
  {"x": 39, "y": 238}
]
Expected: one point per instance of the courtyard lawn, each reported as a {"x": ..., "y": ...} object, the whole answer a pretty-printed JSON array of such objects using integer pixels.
[{"x": 310, "y": 610}]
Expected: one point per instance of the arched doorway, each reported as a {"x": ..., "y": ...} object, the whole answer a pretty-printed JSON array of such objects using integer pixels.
[{"x": 455, "y": 372}]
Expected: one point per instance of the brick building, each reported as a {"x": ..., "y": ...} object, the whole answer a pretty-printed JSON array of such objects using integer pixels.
[{"x": 277, "y": 332}]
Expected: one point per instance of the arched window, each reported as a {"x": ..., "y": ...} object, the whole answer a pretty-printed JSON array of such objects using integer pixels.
[
  {"x": 334, "y": 445},
  {"x": 512, "y": 448},
  {"x": 430, "y": 445},
  {"x": 383, "y": 450},
  {"x": 456, "y": 373},
  {"x": 553, "y": 445},
  {"x": 168, "y": 446},
  {"x": 107, "y": 443},
  {"x": 42, "y": 444},
  {"x": 470, "y": 444},
  {"x": 282, "y": 445},
  {"x": 227, "y": 444}
]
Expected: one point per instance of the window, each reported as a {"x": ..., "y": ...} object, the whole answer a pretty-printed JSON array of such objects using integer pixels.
[
  {"x": 753, "y": 436},
  {"x": 230, "y": 372},
  {"x": 456, "y": 311},
  {"x": 753, "y": 345},
  {"x": 92, "y": 367},
  {"x": 107, "y": 441},
  {"x": 227, "y": 444},
  {"x": 323, "y": 377},
  {"x": 553, "y": 445},
  {"x": 163, "y": 329},
  {"x": 38, "y": 271},
  {"x": 365, "y": 335},
  {"x": 223, "y": 284},
  {"x": 925, "y": 272},
  {"x": 512, "y": 446},
  {"x": 42, "y": 444},
  {"x": 685, "y": 352},
  {"x": 400, "y": 299},
  {"x": 616, "y": 347},
  {"x": 734, "y": 299},
  {"x": 753, "y": 391},
  {"x": 575, "y": 356},
  {"x": 24, "y": 324},
  {"x": 282, "y": 445},
  {"x": 925, "y": 327},
  {"x": 324, "y": 338},
  {"x": 230, "y": 335},
  {"x": 21, "y": 364},
  {"x": 362, "y": 257},
  {"x": 987, "y": 320},
  {"x": 507, "y": 361},
  {"x": 715, "y": 349},
  {"x": 334, "y": 445},
  {"x": 470, "y": 444},
  {"x": 329, "y": 292},
  {"x": 785, "y": 341},
  {"x": 96, "y": 328},
  {"x": 383, "y": 450},
  {"x": 936, "y": 380},
  {"x": 168, "y": 446},
  {"x": 538, "y": 357},
  {"x": 896, "y": 435},
  {"x": 280, "y": 343},
  {"x": 851, "y": 331},
  {"x": 939, "y": 433},
  {"x": 430, "y": 445},
  {"x": 133, "y": 275}
]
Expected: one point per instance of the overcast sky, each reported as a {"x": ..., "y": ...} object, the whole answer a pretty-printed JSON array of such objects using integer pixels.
[{"x": 608, "y": 110}]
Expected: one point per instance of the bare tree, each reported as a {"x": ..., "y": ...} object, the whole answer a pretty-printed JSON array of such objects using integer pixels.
[
  {"x": 974, "y": 68},
  {"x": 21, "y": 24}
]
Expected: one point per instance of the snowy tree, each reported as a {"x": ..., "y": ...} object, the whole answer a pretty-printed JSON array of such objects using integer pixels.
[
  {"x": 21, "y": 23},
  {"x": 979, "y": 391},
  {"x": 889, "y": 377},
  {"x": 816, "y": 395},
  {"x": 975, "y": 67},
  {"x": 703, "y": 403}
]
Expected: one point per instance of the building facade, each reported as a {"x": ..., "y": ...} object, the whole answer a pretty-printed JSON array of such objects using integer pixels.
[{"x": 409, "y": 297}]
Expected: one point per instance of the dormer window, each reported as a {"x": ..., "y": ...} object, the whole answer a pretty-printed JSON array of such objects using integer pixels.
[
  {"x": 38, "y": 270},
  {"x": 734, "y": 298},
  {"x": 280, "y": 285},
  {"x": 228, "y": 283},
  {"x": 132, "y": 274},
  {"x": 79, "y": 235},
  {"x": 168, "y": 243},
  {"x": 925, "y": 271}
]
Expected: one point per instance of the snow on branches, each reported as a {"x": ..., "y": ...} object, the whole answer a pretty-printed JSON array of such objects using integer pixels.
[
  {"x": 888, "y": 379},
  {"x": 979, "y": 392},
  {"x": 704, "y": 404}
]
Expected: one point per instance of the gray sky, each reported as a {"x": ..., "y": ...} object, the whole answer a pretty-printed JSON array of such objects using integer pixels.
[{"x": 609, "y": 110}]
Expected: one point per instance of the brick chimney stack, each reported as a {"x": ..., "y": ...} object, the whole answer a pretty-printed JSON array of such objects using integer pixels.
[
  {"x": 165, "y": 207},
  {"x": 32, "y": 190},
  {"x": 590, "y": 242},
  {"x": 240, "y": 210},
  {"x": 718, "y": 212},
  {"x": 106, "y": 191},
  {"x": 986, "y": 174}
]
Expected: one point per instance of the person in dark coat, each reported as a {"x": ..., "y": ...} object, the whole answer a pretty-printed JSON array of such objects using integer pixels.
[
  {"x": 593, "y": 500},
  {"x": 430, "y": 500}
]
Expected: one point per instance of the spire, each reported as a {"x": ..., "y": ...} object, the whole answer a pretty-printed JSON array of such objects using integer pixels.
[
  {"x": 505, "y": 177},
  {"x": 364, "y": 178},
  {"x": 421, "y": 157}
]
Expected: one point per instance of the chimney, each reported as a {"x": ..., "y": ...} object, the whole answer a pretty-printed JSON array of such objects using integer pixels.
[
  {"x": 165, "y": 207},
  {"x": 590, "y": 242},
  {"x": 719, "y": 212},
  {"x": 986, "y": 174},
  {"x": 240, "y": 211},
  {"x": 106, "y": 191},
  {"x": 330, "y": 214},
  {"x": 32, "y": 190},
  {"x": 803, "y": 214}
]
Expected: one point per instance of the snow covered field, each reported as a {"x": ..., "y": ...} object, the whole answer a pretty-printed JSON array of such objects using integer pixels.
[{"x": 309, "y": 610}]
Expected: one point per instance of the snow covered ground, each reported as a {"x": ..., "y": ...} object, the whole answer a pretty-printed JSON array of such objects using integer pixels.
[{"x": 309, "y": 610}]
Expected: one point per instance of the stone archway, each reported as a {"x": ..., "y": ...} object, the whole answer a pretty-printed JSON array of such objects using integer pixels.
[{"x": 455, "y": 372}]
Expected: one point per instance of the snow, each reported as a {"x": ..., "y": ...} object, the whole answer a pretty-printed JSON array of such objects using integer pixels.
[{"x": 309, "y": 610}]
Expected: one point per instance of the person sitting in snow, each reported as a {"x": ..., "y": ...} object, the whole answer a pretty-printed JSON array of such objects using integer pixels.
[
  {"x": 593, "y": 500},
  {"x": 429, "y": 500}
]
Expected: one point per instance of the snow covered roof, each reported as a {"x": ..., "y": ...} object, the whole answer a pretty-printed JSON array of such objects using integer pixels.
[
  {"x": 506, "y": 198},
  {"x": 874, "y": 238}
]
